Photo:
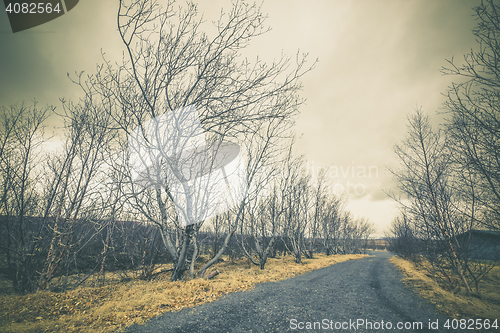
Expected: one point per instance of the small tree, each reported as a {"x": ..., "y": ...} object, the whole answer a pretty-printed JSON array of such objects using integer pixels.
[
  {"x": 403, "y": 237},
  {"x": 264, "y": 211},
  {"x": 21, "y": 137},
  {"x": 72, "y": 184},
  {"x": 434, "y": 203}
]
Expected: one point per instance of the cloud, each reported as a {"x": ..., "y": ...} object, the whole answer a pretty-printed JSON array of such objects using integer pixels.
[{"x": 378, "y": 61}]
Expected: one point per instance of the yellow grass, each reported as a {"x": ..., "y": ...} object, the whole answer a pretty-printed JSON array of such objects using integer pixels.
[
  {"x": 456, "y": 304},
  {"x": 122, "y": 304}
]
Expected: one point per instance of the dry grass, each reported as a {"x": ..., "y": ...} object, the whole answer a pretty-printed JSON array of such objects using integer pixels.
[
  {"x": 122, "y": 304},
  {"x": 457, "y": 303}
]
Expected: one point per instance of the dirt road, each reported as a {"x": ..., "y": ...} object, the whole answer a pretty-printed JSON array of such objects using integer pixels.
[{"x": 364, "y": 295}]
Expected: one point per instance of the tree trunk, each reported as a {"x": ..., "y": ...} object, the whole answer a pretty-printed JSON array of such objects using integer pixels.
[
  {"x": 194, "y": 257},
  {"x": 180, "y": 265}
]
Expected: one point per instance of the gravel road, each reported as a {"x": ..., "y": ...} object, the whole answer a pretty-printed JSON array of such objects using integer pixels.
[{"x": 364, "y": 295}]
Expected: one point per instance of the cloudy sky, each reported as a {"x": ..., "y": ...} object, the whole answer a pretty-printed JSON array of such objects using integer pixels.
[{"x": 378, "y": 61}]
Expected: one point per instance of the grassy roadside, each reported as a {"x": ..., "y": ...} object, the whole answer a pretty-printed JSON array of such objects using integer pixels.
[
  {"x": 457, "y": 304},
  {"x": 122, "y": 304}
]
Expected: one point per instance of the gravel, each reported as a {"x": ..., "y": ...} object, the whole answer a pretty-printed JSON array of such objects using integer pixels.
[{"x": 368, "y": 292}]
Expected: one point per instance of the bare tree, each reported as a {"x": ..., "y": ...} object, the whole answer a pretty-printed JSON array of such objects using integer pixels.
[
  {"x": 71, "y": 186},
  {"x": 263, "y": 214},
  {"x": 404, "y": 240},
  {"x": 426, "y": 178},
  {"x": 473, "y": 112},
  {"x": 296, "y": 192},
  {"x": 330, "y": 224},
  {"x": 320, "y": 203},
  {"x": 21, "y": 136},
  {"x": 170, "y": 64}
]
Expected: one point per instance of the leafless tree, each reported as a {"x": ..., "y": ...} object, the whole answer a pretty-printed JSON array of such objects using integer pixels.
[
  {"x": 321, "y": 196},
  {"x": 404, "y": 240},
  {"x": 296, "y": 192},
  {"x": 259, "y": 231},
  {"x": 432, "y": 203},
  {"x": 169, "y": 64},
  {"x": 473, "y": 111},
  {"x": 21, "y": 137},
  {"x": 55, "y": 205},
  {"x": 72, "y": 190},
  {"x": 264, "y": 211}
]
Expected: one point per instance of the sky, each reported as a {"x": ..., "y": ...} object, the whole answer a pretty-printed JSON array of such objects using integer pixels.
[{"x": 378, "y": 61}]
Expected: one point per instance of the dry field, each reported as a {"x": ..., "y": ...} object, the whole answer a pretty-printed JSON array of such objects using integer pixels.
[
  {"x": 457, "y": 304},
  {"x": 121, "y": 304}
]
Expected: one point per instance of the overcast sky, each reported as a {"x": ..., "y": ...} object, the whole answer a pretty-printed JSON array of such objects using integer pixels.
[{"x": 378, "y": 61}]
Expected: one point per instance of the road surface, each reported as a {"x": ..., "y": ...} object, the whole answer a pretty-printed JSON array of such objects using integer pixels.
[{"x": 364, "y": 295}]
